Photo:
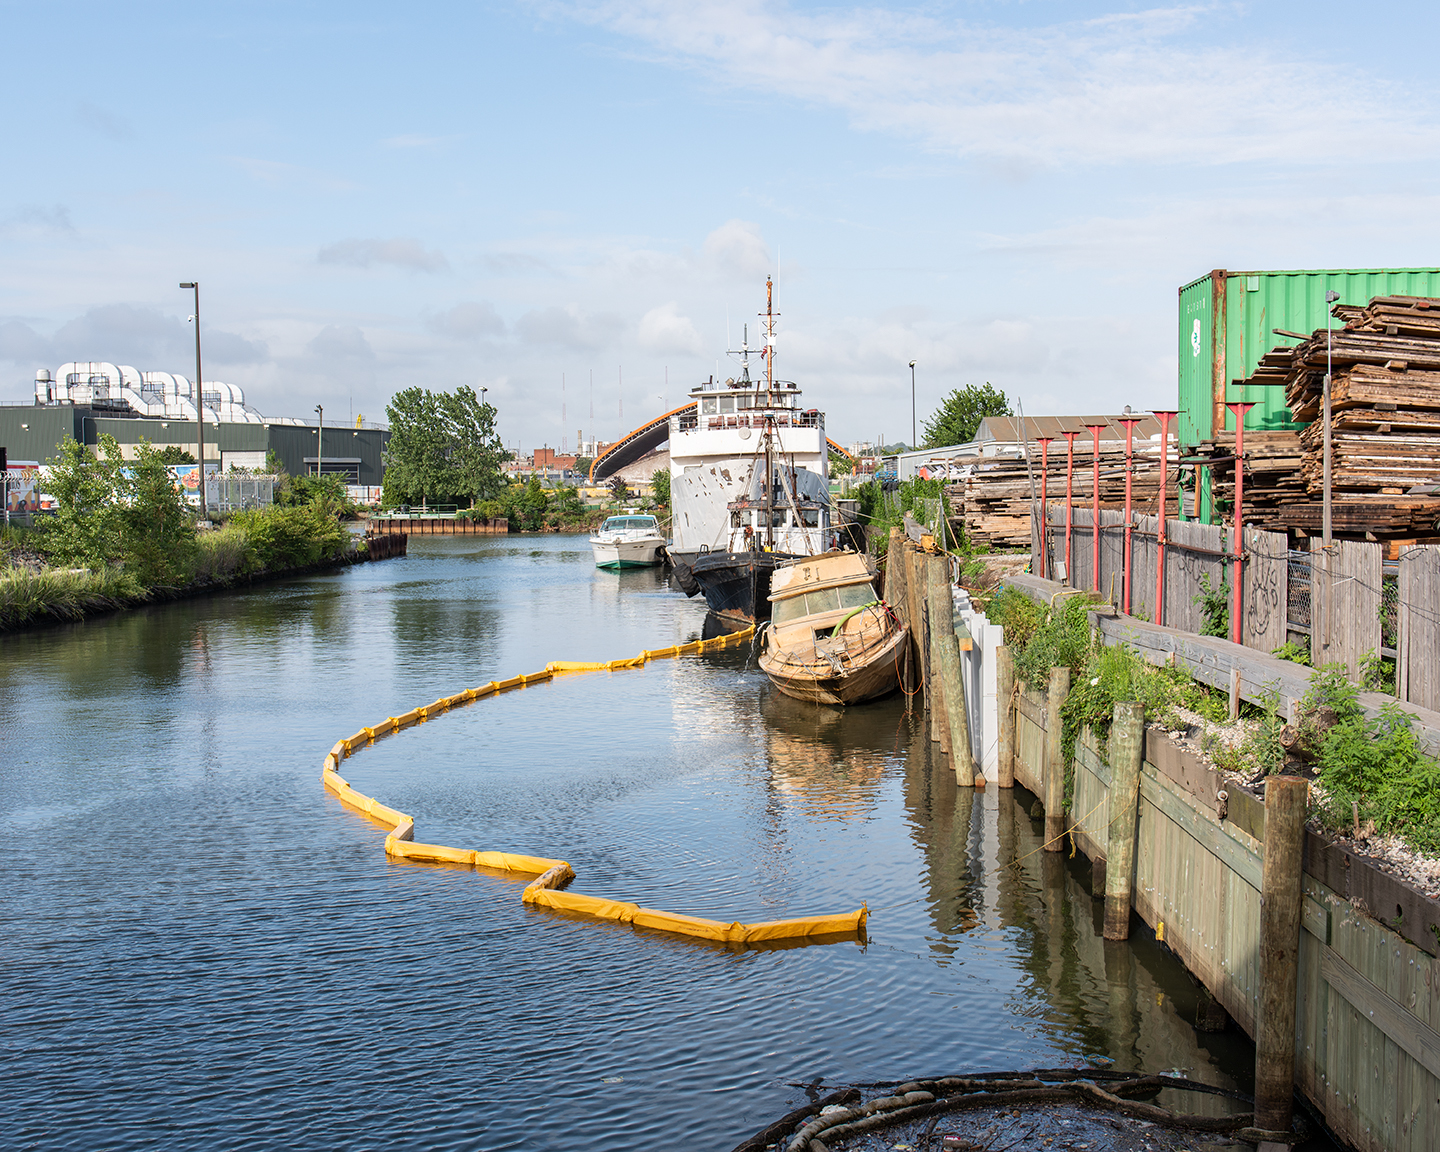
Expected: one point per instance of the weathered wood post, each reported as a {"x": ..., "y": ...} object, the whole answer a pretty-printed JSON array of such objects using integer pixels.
[
  {"x": 1281, "y": 896},
  {"x": 1127, "y": 750},
  {"x": 940, "y": 613},
  {"x": 951, "y": 678},
  {"x": 1005, "y": 712},
  {"x": 897, "y": 595},
  {"x": 915, "y": 589},
  {"x": 1054, "y": 799}
]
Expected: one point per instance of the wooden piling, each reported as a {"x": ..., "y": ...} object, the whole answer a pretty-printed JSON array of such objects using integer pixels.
[
  {"x": 1054, "y": 798},
  {"x": 949, "y": 677},
  {"x": 1005, "y": 710},
  {"x": 915, "y": 587},
  {"x": 941, "y": 613},
  {"x": 1127, "y": 750},
  {"x": 1281, "y": 896},
  {"x": 897, "y": 595}
]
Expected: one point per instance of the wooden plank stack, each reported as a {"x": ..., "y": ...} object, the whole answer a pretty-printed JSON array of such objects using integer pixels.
[
  {"x": 1384, "y": 426},
  {"x": 992, "y": 504}
]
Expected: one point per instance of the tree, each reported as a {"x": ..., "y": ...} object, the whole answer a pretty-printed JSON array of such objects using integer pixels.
[
  {"x": 112, "y": 510},
  {"x": 619, "y": 490},
  {"x": 958, "y": 417},
  {"x": 660, "y": 485},
  {"x": 174, "y": 454},
  {"x": 443, "y": 448},
  {"x": 840, "y": 465}
]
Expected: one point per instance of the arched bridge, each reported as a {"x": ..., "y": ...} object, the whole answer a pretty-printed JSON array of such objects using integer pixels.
[{"x": 643, "y": 440}]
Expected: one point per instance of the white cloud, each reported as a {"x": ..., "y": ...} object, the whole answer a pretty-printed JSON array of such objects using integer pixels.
[
  {"x": 469, "y": 321},
  {"x": 739, "y": 250},
  {"x": 34, "y": 220},
  {"x": 1124, "y": 88},
  {"x": 664, "y": 331},
  {"x": 401, "y": 252},
  {"x": 568, "y": 327},
  {"x": 103, "y": 123}
]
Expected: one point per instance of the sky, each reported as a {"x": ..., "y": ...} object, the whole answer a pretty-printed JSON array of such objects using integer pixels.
[{"x": 525, "y": 196}]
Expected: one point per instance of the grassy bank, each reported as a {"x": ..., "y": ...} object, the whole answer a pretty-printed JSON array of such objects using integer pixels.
[
  {"x": 123, "y": 535},
  {"x": 251, "y": 546}
]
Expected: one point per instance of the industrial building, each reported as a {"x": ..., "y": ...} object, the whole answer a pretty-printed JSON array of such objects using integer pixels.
[{"x": 85, "y": 400}]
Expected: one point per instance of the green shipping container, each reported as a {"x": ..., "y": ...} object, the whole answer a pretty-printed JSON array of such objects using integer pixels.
[{"x": 1250, "y": 305}]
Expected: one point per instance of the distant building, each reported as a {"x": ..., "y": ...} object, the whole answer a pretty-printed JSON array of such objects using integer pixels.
[{"x": 85, "y": 400}]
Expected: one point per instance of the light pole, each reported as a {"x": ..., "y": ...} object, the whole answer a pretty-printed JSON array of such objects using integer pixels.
[
  {"x": 194, "y": 286},
  {"x": 912, "y": 403},
  {"x": 320, "y": 439}
]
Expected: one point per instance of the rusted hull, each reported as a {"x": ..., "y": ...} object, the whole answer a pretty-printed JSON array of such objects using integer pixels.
[{"x": 819, "y": 684}]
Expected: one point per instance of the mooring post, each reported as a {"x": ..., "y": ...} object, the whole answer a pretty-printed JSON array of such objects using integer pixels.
[
  {"x": 1281, "y": 896},
  {"x": 914, "y": 587},
  {"x": 1127, "y": 750},
  {"x": 1005, "y": 713},
  {"x": 941, "y": 612},
  {"x": 898, "y": 597},
  {"x": 1054, "y": 799},
  {"x": 952, "y": 677}
]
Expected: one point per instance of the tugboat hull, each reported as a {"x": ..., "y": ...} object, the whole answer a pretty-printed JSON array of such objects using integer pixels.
[{"x": 736, "y": 585}]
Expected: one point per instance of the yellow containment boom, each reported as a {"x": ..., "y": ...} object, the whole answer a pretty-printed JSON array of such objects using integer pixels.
[{"x": 552, "y": 875}]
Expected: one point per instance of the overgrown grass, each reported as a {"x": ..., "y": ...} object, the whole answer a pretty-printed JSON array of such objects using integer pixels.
[
  {"x": 250, "y": 543},
  {"x": 1371, "y": 768},
  {"x": 1100, "y": 675},
  {"x": 27, "y": 596}
]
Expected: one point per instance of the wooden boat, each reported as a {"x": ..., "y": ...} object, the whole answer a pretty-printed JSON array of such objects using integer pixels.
[{"x": 831, "y": 639}]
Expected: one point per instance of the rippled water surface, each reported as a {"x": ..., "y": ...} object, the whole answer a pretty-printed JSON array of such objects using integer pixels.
[{"x": 201, "y": 948}]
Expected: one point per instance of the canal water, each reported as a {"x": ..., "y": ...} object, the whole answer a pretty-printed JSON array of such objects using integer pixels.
[{"x": 201, "y": 948}]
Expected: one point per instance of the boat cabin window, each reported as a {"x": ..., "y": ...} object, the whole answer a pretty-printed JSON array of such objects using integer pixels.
[
  {"x": 811, "y": 517},
  {"x": 824, "y": 600},
  {"x": 628, "y": 523},
  {"x": 707, "y": 406},
  {"x": 727, "y": 404}
]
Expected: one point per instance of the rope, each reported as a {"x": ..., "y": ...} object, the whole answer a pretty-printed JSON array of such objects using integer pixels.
[{"x": 1053, "y": 840}]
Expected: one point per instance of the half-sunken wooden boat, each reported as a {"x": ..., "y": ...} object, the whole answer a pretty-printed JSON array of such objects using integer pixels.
[{"x": 831, "y": 639}]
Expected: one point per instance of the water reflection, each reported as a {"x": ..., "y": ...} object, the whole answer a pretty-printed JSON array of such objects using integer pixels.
[{"x": 203, "y": 949}]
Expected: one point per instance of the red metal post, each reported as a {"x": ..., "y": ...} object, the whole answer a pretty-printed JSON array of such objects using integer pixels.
[
  {"x": 1129, "y": 422},
  {"x": 1095, "y": 505},
  {"x": 1044, "y": 442},
  {"x": 1164, "y": 416},
  {"x": 1069, "y": 495},
  {"x": 1238, "y": 409}
]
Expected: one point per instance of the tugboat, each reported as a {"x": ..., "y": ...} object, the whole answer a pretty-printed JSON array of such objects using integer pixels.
[
  {"x": 831, "y": 639},
  {"x": 749, "y": 484}
]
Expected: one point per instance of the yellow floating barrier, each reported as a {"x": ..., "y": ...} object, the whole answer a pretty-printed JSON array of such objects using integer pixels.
[{"x": 551, "y": 876}]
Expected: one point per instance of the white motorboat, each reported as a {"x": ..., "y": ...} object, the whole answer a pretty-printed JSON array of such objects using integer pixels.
[{"x": 628, "y": 541}]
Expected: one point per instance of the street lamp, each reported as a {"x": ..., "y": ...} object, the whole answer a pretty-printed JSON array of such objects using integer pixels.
[
  {"x": 912, "y": 403},
  {"x": 320, "y": 439},
  {"x": 194, "y": 286}
]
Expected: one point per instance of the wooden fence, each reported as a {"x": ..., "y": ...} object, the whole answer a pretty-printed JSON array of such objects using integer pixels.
[
  {"x": 1198, "y": 564},
  {"x": 1368, "y": 997}
]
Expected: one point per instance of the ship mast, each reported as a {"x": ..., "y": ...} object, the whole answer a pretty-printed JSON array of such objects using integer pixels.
[{"x": 768, "y": 351}]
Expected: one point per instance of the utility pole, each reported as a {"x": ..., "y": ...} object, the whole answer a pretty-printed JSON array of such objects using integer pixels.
[{"x": 194, "y": 286}]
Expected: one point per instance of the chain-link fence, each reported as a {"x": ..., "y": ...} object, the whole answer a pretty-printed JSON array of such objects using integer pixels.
[{"x": 236, "y": 493}]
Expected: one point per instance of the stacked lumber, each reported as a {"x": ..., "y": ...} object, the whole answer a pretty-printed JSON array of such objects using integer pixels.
[
  {"x": 1384, "y": 425},
  {"x": 992, "y": 503}
]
